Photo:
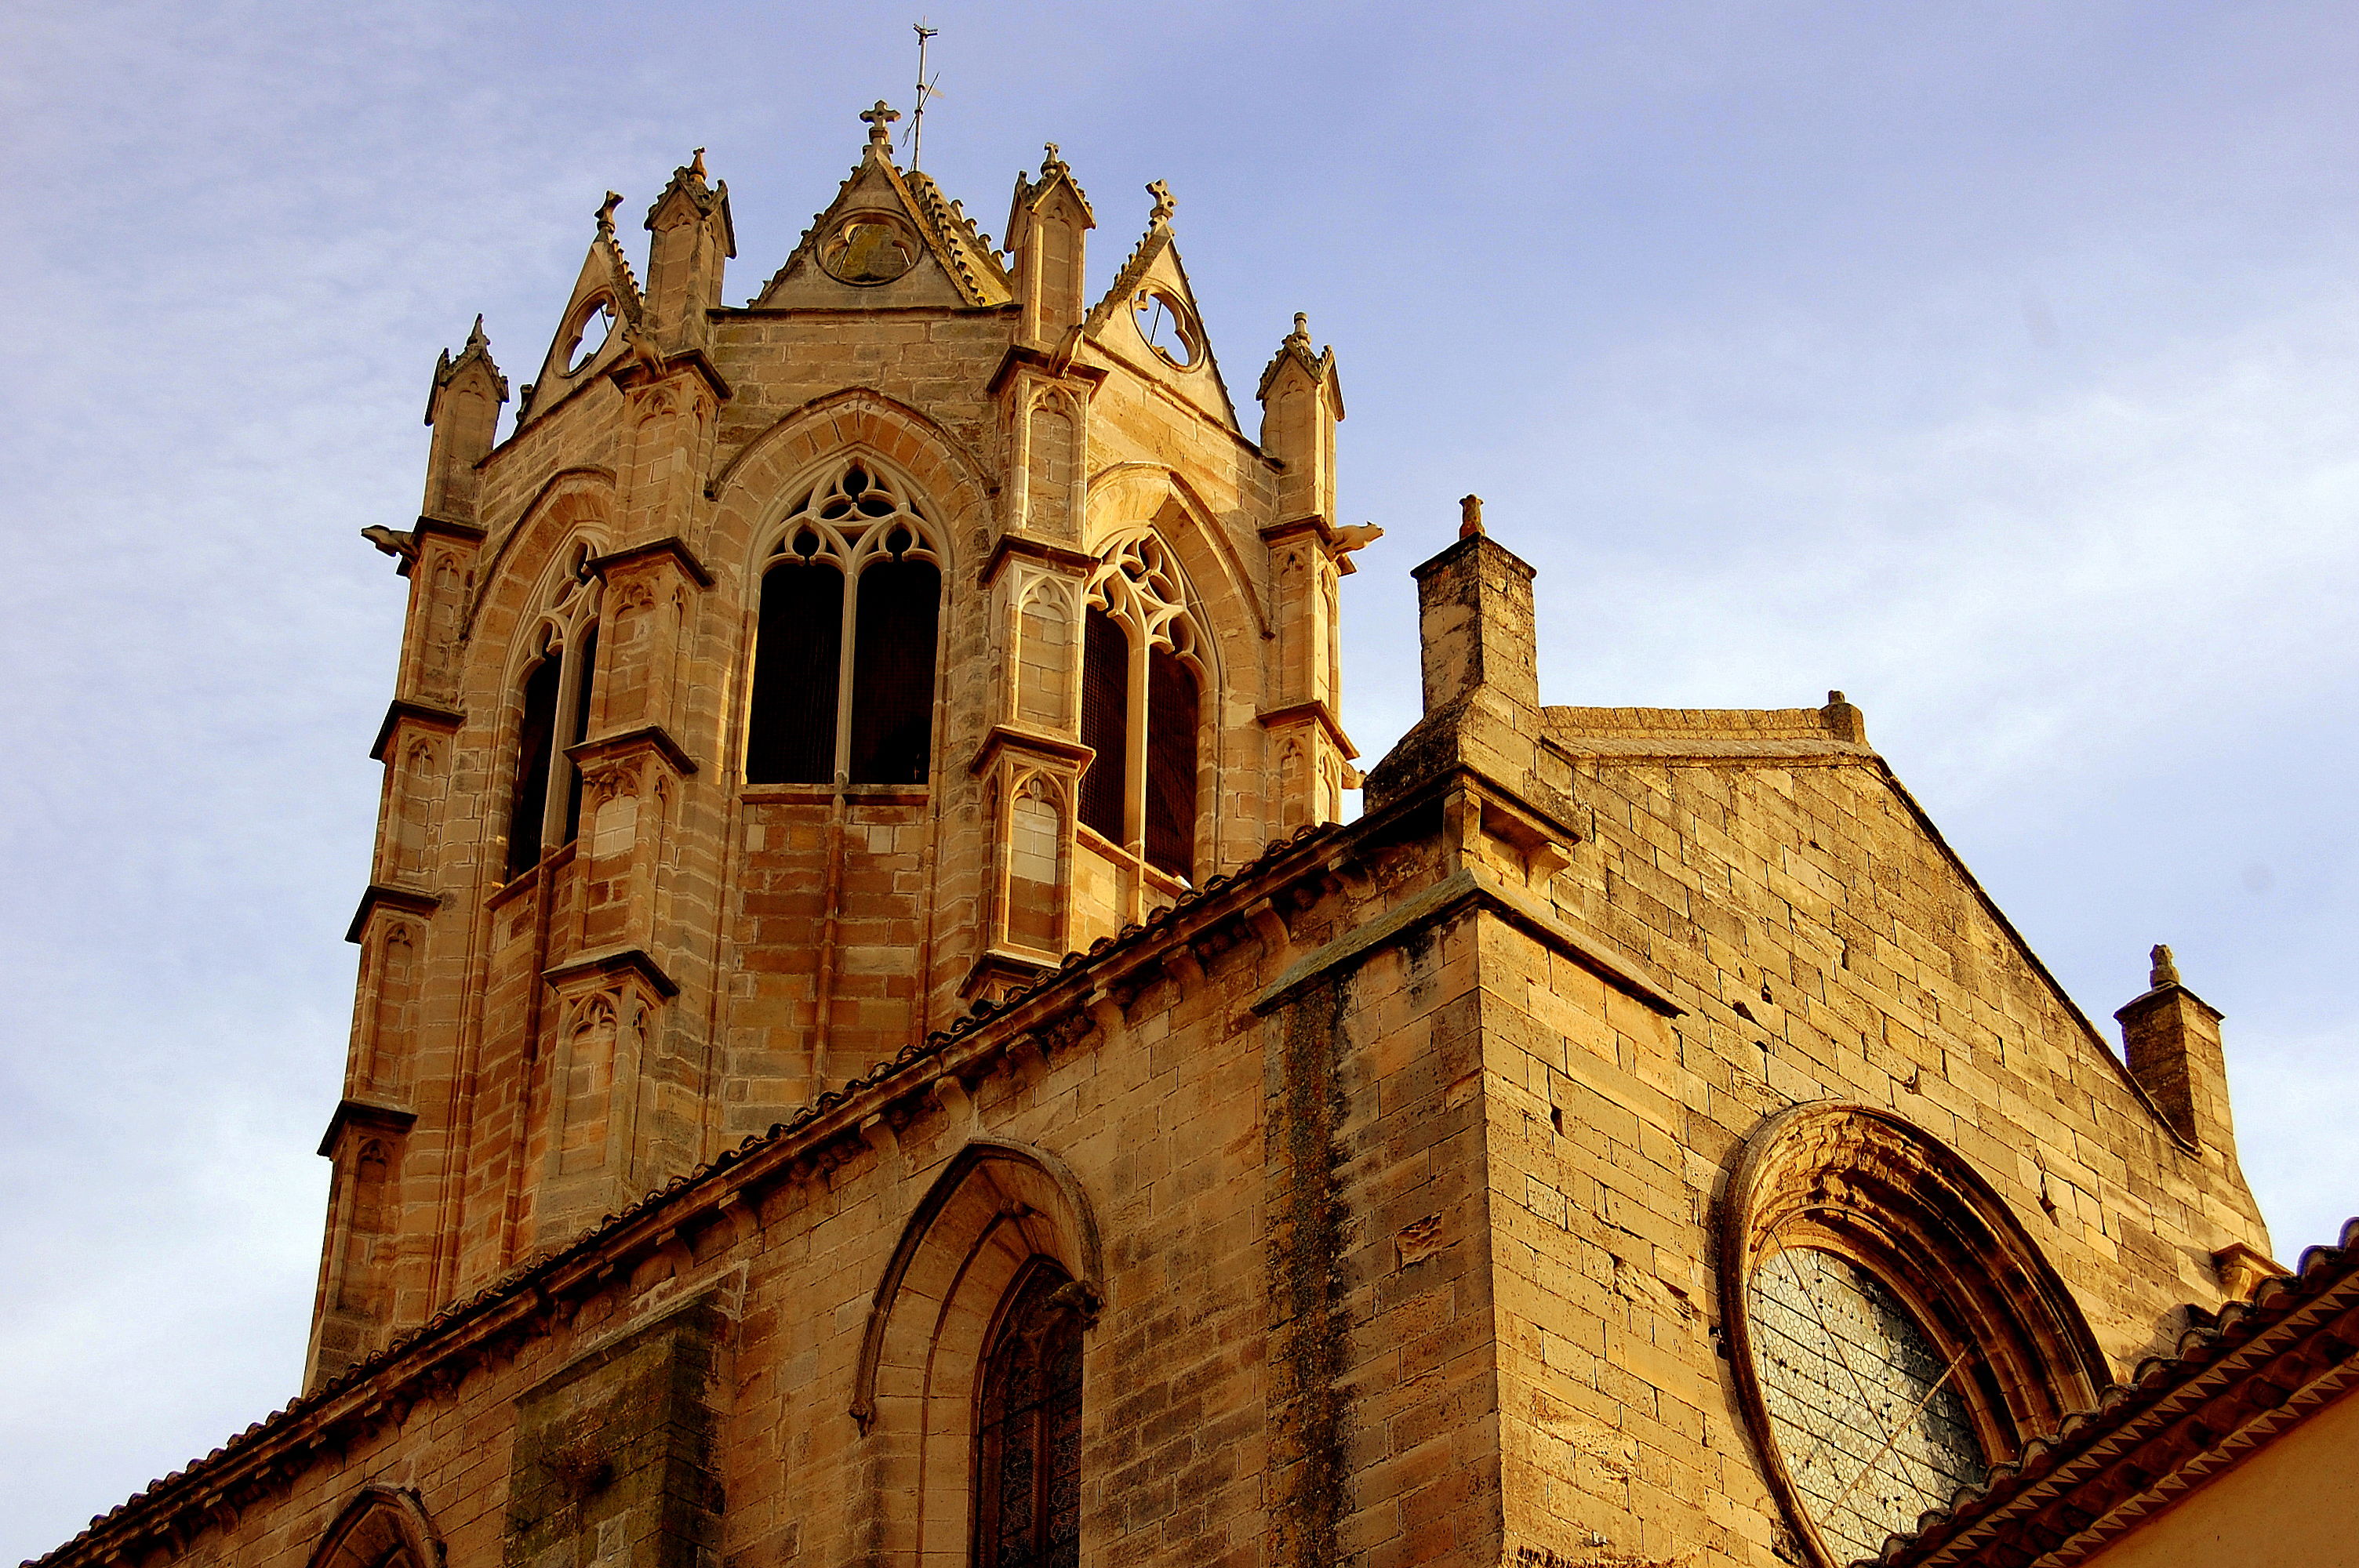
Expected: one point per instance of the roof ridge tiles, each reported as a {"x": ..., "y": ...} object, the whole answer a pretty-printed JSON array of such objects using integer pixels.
[{"x": 2157, "y": 1382}]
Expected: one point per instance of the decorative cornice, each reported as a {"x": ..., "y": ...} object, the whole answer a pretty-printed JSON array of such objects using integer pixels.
[
  {"x": 608, "y": 961},
  {"x": 432, "y": 716},
  {"x": 671, "y": 544},
  {"x": 361, "y": 1113},
  {"x": 1314, "y": 712},
  {"x": 383, "y": 895},
  {"x": 452, "y": 528},
  {"x": 1015, "y": 737},
  {"x": 1477, "y": 886},
  {"x": 996, "y": 966},
  {"x": 629, "y": 370},
  {"x": 1033, "y": 549},
  {"x": 648, "y": 737},
  {"x": 1057, "y": 366},
  {"x": 2170, "y": 991}
]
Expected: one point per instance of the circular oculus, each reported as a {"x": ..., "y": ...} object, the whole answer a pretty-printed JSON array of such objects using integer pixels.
[
  {"x": 1865, "y": 1412},
  {"x": 868, "y": 249}
]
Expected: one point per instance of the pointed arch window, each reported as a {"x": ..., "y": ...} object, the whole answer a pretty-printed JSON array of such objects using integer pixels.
[
  {"x": 545, "y": 793},
  {"x": 1141, "y": 710},
  {"x": 1028, "y": 1430},
  {"x": 857, "y": 565}
]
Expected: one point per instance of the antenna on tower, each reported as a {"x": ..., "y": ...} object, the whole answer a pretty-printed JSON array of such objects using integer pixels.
[{"x": 925, "y": 89}]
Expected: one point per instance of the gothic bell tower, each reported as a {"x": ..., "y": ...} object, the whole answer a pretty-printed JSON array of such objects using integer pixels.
[{"x": 794, "y": 676}]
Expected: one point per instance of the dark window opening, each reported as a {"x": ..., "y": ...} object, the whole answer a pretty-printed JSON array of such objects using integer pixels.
[
  {"x": 1105, "y": 721},
  {"x": 795, "y": 653},
  {"x": 1171, "y": 764},
  {"x": 1028, "y": 1440},
  {"x": 892, "y": 668},
  {"x": 528, "y": 800},
  {"x": 580, "y": 733}
]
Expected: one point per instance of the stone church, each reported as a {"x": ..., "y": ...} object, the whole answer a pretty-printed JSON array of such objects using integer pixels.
[{"x": 875, "y": 1046}]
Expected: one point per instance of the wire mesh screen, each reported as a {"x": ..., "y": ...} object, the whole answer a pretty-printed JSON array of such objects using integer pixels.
[
  {"x": 792, "y": 736},
  {"x": 579, "y": 732},
  {"x": 1867, "y": 1414},
  {"x": 1105, "y": 721},
  {"x": 1171, "y": 764},
  {"x": 529, "y": 799},
  {"x": 893, "y": 672}
]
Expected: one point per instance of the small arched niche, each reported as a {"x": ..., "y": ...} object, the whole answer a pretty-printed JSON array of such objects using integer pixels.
[
  {"x": 1001, "y": 1218},
  {"x": 1894, "y": 1331},
  {"x": 380, "y": 1527}
]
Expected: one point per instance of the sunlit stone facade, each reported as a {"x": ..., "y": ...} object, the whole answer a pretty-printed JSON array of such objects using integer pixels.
[{"x": 875, "y": 1045}]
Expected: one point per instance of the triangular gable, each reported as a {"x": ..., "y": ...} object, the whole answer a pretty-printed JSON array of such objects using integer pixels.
[
  {"x": 1119, "y": 322},
  {"x": 605, "y": 279},
  {"x": 889, "y": 238}
]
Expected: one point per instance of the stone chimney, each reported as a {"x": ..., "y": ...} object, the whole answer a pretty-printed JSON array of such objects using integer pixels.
[
  {"x": 2171, "y": 1039},
  {"x": 1481, "y": 660}
]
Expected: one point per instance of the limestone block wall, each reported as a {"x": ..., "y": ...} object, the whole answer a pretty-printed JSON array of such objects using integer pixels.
[
  {"x": 1817, "y": 944},
  {"x": 1281, "y": 1160}
]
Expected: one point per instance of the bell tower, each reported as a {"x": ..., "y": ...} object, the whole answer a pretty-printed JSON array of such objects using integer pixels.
[{"x": 796, "y": 676}]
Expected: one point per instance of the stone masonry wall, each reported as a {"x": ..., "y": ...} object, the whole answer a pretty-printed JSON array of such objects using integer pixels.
[{"x": 1823, "y": 947}]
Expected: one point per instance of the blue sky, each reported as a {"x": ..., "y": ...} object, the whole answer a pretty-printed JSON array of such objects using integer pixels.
[{"x": 1997, "y": 364}]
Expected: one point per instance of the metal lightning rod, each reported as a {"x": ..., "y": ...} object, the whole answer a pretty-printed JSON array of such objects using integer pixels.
[{"x": 925, "y": 90}]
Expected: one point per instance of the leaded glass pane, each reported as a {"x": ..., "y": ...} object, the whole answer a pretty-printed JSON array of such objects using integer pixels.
[
  {"x": 1867, "y": 1415},
  {"x": 1028, "y": 1451}
]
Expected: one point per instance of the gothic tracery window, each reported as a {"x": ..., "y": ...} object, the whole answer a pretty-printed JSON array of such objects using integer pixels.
[
  {"x": 1894, "y": 1330},
  {"x": 1141, "y": 711},
  {"x": 1029, "y": 1431},
  {"x": 855, "y": 566},
  {"x": 545, "y": 793}
]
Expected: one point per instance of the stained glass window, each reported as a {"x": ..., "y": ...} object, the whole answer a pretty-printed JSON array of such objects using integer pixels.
[
  {"x": 1867, "y": 1413},
  {"x": 1029, "y": 1446}
]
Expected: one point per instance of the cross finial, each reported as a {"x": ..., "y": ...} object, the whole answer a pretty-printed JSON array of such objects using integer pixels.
[
  {"x": 1470, "y": 517},
  {"x": 606, "y": 212},
  {"x": 878, "y": 118},
  {"x": 1164, "y": 205}
]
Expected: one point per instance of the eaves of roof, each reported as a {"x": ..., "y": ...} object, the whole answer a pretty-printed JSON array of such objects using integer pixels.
[{"x": 2177, "y": 1423}]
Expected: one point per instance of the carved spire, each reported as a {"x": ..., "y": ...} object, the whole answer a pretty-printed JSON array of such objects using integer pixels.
[
  {"x": 464, "y": 408},
  {"x": 1301, "y": 402},
  {"x": 1047, "y": 234},
  {"x": 693, "y": 240}
]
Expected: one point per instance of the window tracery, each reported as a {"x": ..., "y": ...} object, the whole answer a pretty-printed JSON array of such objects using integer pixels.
[
  {"x": 858, "y": 565},
  {"x": 1028, "y": 1429},
  {"x": 1894, "y": 1330},
  {"x": 545, "y": 792},
  {"x": 1142, "y": 679}
]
